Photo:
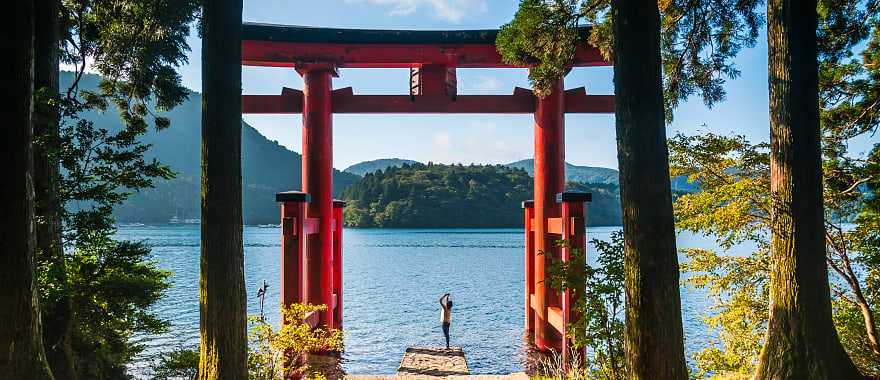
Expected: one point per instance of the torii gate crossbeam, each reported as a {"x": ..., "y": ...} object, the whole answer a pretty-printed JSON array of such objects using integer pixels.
[{"x": 312, "y": 220}]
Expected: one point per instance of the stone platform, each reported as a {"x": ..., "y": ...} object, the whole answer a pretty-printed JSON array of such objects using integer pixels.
[
  {"x": 435, "y": 363},
  {"x": 513, "y": 376}
]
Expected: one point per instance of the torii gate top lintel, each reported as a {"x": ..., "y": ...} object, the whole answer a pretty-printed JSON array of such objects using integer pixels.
[
  {"x": 431, "y": 56},
  {"x": 286, "y": 46}
]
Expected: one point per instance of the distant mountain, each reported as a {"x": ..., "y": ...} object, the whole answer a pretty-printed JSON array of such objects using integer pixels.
[
  {"x": 362, "y": 168},
  {"x": 267, "y": 167},
  {"x": 599, "y": 175},
  {"x": 574, "y": 173}
]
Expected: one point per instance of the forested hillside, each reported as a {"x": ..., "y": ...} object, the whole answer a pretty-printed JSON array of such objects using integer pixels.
[
  {"x": 366, "y": 167},
  {"x": 599, "y": 175},
  {"x": 267, "y": 167},
  {"x": 575, "y": 173},
  {"x": 435, "y": 195}
]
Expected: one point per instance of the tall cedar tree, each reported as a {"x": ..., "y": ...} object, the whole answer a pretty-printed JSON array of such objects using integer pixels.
[
  {"x": 654, "y": 336},
  {"x": 223, "y": 348},
  {"x": 21, "y": 345},
  {"x": 696, "y": 40},
  {"x": 801, "y": 341},
  {"x": 87, "y": 322},
  {"x": 58, "y": 311}
]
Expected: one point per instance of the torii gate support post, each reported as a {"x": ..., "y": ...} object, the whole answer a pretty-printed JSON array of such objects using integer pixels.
[
  {"x": 529, "y": 211},
  {"x": 293, "y": 213},
  {"x": 549, "y": 180},
  {"x": 317, "y": 181},
  {"x": 574, "y": 219},
  {"x": 338, "y": 206}
]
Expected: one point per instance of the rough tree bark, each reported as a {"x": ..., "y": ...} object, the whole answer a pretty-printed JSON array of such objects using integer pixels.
[
  {"x": 21, "y": 344},
  {"x": 222, "y": 293},
  {"x": 654, "y": 334},
  {"x": 58, "y": 313},
  {"x": 801, "y": 340}
]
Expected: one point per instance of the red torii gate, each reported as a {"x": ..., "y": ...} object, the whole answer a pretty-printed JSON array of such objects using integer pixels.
[{"x": 312, "y": 220}]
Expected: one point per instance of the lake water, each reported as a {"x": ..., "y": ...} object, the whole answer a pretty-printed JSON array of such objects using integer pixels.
[{"x": 392, "y": 280}]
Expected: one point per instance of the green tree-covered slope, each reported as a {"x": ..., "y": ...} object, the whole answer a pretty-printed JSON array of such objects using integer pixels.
[
  {"x": 599, "y": 175},
  {"x": 434, "y": 195},
  {"x": 574, "y": 173},
  {"x": 366, "y": 167},
  {"x": 267, "y": 167}
]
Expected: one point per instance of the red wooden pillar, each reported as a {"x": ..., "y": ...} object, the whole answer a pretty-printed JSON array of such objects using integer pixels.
[
  {"x": 317, "y": 181},
  {"x": 549, "y": 180},
  {"x": 574, "y": 233},
  {"x": 293, "y": 212},
  {"x": 338, "y": 206},
  {"x": 529, "y": 211}
]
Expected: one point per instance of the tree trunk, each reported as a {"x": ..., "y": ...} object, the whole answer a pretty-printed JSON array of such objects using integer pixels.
[
  {"x": 654, "y": 338},
  {"x": 222, "y": 299},
  {"x": 58, "y": 311},
  {"x": 21, "y": 345},
  {"x": 801, "y": 340}
]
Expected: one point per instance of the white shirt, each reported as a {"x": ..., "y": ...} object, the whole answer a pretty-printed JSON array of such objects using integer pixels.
[{"x": 445, "y": 312}]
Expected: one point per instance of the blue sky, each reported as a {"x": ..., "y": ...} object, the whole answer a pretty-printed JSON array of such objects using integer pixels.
[{"x": 590, "y": 139}]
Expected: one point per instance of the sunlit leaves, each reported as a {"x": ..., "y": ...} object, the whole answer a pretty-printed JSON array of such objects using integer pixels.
[
  {"x": 543, "y": 34},
  {"x": 699, "y": 40},
  {"x": 600, "y": 302},
  {"x": 733, "y": 176},
  {"x": 136, "y": 46},
  {"x": 276, "y": 353},
  {"x": 738, "y": 287}
]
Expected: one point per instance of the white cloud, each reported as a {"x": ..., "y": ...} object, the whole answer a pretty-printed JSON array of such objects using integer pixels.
[
  {"x": 482, "y": 84},
  {"x": 449, "y": 10},
  {"x": 479, "y": 141},
  {"x": 443, "y": 140}
]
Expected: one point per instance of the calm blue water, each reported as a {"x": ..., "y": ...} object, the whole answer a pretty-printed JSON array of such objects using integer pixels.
[{"x": 392, "y": 280}]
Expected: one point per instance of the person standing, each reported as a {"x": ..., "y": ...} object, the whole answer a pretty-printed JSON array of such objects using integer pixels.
[{"x": 446, "y": 315}]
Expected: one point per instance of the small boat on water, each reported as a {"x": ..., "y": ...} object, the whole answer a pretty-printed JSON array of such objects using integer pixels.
[{"x": 177, "y": 220}]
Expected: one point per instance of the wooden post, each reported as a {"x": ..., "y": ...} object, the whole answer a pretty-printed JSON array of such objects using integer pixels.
[
  {"x": 293, "y": 212},
  {"x": 317, "y": 181},
  {"x": 574, "y": 234},
  {"x": 529, "y": 211},
  {"x": 338, "y": 206},
  {"x": 549, "y": 180}
]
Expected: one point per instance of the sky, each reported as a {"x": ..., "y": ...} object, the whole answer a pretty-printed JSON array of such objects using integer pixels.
[{"x": 488, "y": 139}]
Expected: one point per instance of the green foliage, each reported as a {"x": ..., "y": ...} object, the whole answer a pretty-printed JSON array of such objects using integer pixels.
[
  {"x": 733, "y": 207},
  {"x": 111, "y": 284},
  {"x": 699, "y": 39},
  {"x": 733, "y": 175},
  {"x": 850, "y": 324},
  {"x": 738, "y": 289},
  {"x": 181, "y": 364},
  {"x": 137, "y": 46},
  {"x": 599, "y": 294},
  {"x": 273, "y": 354},
  {"x": 434, "y": 195},
  {"x": 372, "y": 166},
  {"x": 276, "y": 354},
  {"x": 542, "y": 34},
  {"x": 267, "y": 167}
]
